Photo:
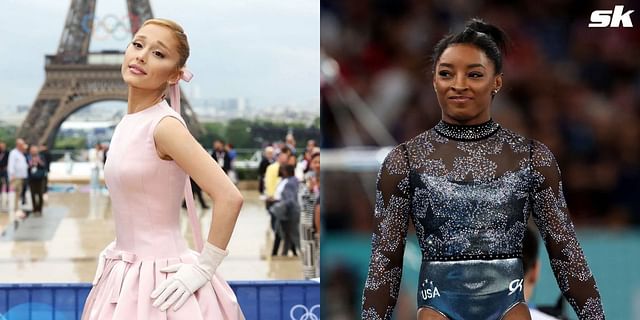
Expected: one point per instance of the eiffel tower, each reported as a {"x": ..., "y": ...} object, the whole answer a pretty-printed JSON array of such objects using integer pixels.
[{"x": 76, "y": 77}]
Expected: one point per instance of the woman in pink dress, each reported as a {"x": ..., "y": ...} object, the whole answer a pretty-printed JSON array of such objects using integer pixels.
[{"x": 149, "y": 272}]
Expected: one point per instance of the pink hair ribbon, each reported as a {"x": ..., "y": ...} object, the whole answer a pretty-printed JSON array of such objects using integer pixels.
[{"x": 174, "y": 100}]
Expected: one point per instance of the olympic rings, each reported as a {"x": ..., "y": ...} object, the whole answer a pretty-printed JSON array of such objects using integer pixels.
[
  {"x": 109, "y": 26},
  {"x": 307, "y": 314}
]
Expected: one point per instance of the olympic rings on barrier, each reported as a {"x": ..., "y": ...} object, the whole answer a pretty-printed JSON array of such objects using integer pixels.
[
  {"x": 307, "y": 314},
  {"x": 109, "y": 26}
]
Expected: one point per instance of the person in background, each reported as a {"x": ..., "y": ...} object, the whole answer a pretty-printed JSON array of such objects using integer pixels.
[
  {"x": 4, "y": 176},
  {"x": 293, "y": 161},
  {"x": 221, "y": 156},
  {"x": 531, "y": 268},
  {"x": 96, "y": 156},
  {"x": 311, "y": 146},
  {"x": 271, "y": 181},
  {"x": 228, "y": 148},
  {"x": 25, "y": 185},
  {"x": 231, "y": 151},
  {"x": 46, "y": 156},
  {"x": 17, "y": 170},
  {"x": 309, "y": 240},
  {"x": 309, "y": 153},
  {"x": 36, "y": 173},
  {"x": 286, "y": 210},
  {"x": 267, "y": 159},
  {"x": 290, "y": 142}
]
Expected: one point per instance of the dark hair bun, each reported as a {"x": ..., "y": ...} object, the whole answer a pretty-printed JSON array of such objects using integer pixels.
[
  {"x": 487, "y": 37},
  {"x": 496, "y": 34}
]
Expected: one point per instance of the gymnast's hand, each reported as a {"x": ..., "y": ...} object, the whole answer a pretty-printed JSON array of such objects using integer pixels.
[{"x": 188, "y": 279}]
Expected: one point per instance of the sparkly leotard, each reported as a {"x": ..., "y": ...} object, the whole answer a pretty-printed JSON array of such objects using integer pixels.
[{"x": 469, "y": 191}]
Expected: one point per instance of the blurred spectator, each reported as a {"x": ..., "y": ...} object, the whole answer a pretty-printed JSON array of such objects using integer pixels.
[
  {"x": 309, "y": 230},
  {"x": 228, "y": 148},
  {"x": 36, "y": 175},
  {"x": 271, "y": 181},
  {"x": 231, "y": 151},
  {"x": 96, "y": 156},
  {"x": 267, "y": 159},
  {"x": 18, "y": 172},
  {"x": 308, "y": 153},
  {"x": 221, "y": 156},
  {"x": 311, "y": 144},
  {"x": 25, "y": 185},
  {"x": 292, "y": 160},
  {"x": 286, "y": 211},
  {"x": 290, "y": 143},
  {"x": 46, "y": 156},
  {"x": 4, "y": 176}
]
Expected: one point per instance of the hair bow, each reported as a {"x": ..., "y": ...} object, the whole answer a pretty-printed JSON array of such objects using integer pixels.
[{"x": 174, "y": 89}]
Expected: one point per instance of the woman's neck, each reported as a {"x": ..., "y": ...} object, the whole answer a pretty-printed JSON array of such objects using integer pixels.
[{"x": 140, "y": 99}]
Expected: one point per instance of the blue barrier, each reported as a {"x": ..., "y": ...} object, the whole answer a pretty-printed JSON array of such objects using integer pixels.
[{"x": 260, "y": 300}]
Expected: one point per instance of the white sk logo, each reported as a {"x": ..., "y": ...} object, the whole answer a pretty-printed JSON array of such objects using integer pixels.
[
  {"x": 307, "y": 314},
  {"x": 515, "y": 285},
  {"x": 609, "y": 18}
]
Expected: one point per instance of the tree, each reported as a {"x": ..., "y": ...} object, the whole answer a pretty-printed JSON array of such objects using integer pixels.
[
  {"x": 239, "y": 133},
  {"x": 8, "y": 135}
]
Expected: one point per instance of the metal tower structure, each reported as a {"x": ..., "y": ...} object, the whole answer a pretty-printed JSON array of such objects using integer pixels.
[{"x": 75, "y": 77}]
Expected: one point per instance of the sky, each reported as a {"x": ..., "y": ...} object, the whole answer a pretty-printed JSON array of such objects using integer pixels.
[{"x": 265, "y": 50}]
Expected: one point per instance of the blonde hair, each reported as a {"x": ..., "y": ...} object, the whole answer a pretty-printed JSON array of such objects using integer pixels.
[{"x": 183, "y": 43}]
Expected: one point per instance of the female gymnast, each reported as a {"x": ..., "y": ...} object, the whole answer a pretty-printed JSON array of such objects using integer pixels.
[{"x": 469, "y": 186}]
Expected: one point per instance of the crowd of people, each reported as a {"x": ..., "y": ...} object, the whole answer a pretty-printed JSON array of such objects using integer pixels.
[
  {"x": 23, "y": 170},
  {"x": 289, "y": 182}
]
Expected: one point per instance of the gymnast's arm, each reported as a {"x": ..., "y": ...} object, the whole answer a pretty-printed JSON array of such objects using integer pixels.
[
  {"x": 389, "y": 237},
  {"x": 552, "y": 218}
]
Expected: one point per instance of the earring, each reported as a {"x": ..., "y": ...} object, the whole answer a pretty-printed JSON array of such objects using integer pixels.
[{"x": 494, "y": 92}]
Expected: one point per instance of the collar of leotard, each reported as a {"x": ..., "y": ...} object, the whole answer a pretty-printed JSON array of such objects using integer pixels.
[
  {"x": 174, "y": 89},
  {"x": 467, "y": 132}
]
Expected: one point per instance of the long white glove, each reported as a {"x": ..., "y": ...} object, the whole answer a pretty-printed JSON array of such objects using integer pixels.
[
  {"x": 101, "y": 262},
  {"x": 188, "y": 278}
]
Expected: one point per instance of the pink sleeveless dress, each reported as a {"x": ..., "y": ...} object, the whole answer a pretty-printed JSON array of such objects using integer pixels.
[{"x": 146, "y": 195}]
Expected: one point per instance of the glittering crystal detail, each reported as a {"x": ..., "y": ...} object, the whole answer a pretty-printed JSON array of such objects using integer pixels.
[
  {"x": 469, "y": 194},
  {"x": 591, "y": 310},
  {"x": 467, "y": 133}
]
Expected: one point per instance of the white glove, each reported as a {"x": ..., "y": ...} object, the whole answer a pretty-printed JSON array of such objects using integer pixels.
[
  {"x": 188, "y": 278},
  {"x": 101, "y": 262}
]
